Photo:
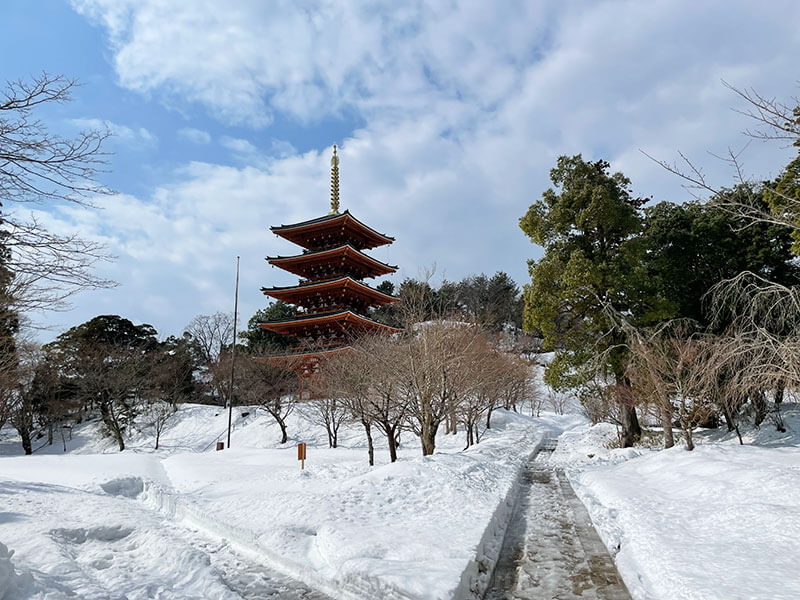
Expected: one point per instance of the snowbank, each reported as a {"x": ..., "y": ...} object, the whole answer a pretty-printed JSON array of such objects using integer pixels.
[
  {"x": 12, "y": 584},
  {"x": 721, "y": 522}
]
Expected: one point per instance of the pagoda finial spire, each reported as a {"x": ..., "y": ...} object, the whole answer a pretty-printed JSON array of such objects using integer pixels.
[{"x": 334, "y": 183}]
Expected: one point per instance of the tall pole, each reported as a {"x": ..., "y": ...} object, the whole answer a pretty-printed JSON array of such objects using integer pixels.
[{"x": 233, "y": 352}]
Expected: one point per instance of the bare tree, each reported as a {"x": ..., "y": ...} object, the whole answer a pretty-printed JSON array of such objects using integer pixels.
[
  {"x": 213, "y": 335},
  {"x": 774, "y": 121},
  {"x": 40, "y": 167},
  {"x": 346, "y": 378},
  {"x": 330, "y": 411},
  {"x": 36, "y": 165},
  {"x": 387, "y": 406},
  {"x": 269, "y": 387},
  {"x": 672, "y": 368},
  {"x": 156, "y": 414},
  {"x": 430, "y": 360},
  {"x": 9, "y": 378}
]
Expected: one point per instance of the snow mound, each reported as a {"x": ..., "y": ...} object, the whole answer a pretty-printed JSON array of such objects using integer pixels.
[
  {"x": 129, "y": 487},
  {"x": 585, "y": 445},
  {"x": 12, "y": 584}
]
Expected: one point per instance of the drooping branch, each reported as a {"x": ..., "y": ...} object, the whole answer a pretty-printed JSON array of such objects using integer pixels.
[{"x": 49, "y": 268}]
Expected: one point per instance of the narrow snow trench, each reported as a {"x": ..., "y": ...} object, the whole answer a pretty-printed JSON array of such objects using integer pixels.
[
  {"x": 246, "y": 577},
  {"x": 551, "y": 549}
]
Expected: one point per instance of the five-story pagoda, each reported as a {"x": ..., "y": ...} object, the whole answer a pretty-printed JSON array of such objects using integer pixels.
[{"x": 331, "y": 297}]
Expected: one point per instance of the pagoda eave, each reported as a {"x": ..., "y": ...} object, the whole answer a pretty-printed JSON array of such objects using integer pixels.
[
  {"x": 306, "y": 264},
  {"x": 342, "y": 287},
  {"x": 344, "y": 321},
  {"x": 341, "y": 225}
]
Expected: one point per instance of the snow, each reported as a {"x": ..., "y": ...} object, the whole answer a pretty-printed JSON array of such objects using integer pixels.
[
  {"x": 132, "y": 524},
  {"x": 721, "y": 522}
]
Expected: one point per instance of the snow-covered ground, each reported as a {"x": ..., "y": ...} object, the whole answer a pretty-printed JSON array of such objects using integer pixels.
[
  {"x": 132, "y": 524},
  {"x": 721, "y": 522}
]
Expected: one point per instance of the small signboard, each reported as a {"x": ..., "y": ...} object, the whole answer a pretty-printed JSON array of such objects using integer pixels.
[{"x": 301, "y": 454}]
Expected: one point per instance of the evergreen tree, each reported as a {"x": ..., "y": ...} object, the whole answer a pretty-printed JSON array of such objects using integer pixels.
[
  {"x": 591, "y": 268},
  {"x": 9, "y": 325},
  {"x": 173, "y": 366},
  {"x": 784, "y": 197},
  {"x": 260, "y": 340},
  {"x": 108, "y": 359},
  {"x": 692, "y": 246}
]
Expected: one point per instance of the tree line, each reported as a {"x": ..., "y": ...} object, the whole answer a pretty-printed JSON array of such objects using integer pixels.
[
  {"x": 110, "y": 369},
  {"x": 684, "y": 312}
]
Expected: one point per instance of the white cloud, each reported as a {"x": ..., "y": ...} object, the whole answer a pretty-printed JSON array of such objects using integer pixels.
[
  {"x": 244, "y": 151},
  {"x": 195, "y": 136},
  {"x": 312, "y": 60},
  {"x": 131, "y": 136}
]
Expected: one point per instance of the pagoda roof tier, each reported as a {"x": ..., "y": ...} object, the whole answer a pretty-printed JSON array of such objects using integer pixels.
[
  {"x": 332, "y": 230},
  {"x": 310, "y": 264},
  {"x": 331, "y": 290},
  {"x": 307, "y": 325}
]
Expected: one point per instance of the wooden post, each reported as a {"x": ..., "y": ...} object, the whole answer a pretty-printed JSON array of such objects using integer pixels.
[{"x": 301, "y": 455}]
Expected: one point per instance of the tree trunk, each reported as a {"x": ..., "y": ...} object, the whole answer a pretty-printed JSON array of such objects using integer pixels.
[
  {"x": 25, "y": 436},
  {"x": 779, "y": 392},
  {"x": 760, "y": 406},
  {"x": 631, "y": 430},
  {"x": 726, "y": 413},
  {"x": 49, "y": 434},
  {"x": 370, "y": 447},
  {"x": 282, "y": 425},
  {"x": 687, "y": 432},
  {"x": 158, "y": 436},
  {"x": 428, "y": 439},
  {"x": 330, "y": 436},
  {"x": 666, "y": 424},
  {"x": 489, "y": 416},
  {"x": 111, "y": 423},
  {"x": 392, "y": 446}
]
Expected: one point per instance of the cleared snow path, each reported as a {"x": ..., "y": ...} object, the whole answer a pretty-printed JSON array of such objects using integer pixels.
[{"x": 551, "y": 549}]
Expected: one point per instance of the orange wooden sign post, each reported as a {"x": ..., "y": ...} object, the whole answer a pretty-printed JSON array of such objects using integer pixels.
[{"x": 301, "y": 455}]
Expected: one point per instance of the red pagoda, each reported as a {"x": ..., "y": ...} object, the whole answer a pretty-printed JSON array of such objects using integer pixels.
[{"x": 331, "y": 297}]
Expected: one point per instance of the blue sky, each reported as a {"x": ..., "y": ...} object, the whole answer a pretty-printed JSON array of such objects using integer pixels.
[{"x": 449, "y": 116}]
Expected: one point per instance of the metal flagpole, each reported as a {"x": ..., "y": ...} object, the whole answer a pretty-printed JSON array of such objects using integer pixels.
[{"x": 233, "y": 352}]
